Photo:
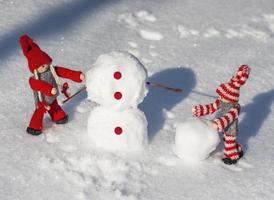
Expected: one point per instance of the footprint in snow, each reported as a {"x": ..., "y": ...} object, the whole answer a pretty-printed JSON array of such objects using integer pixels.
[
  {"x": 185, "y": 32},
  {"x": 144, "y": 15},
  {"x": 247, "y": 32},
  {"x": 150, "y": 35},
  {"x": 211, "y": 33},
  {"x": 134, "y": 19}
]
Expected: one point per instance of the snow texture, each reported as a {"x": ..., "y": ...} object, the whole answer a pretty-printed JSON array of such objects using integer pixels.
[
  {"x": 204, "y": 42},
  {"x": 117, "y": 73},
  {"x": 101, "y": 127},
  {"x": 150, "y": 35},
  {"x": 195, "y": 139}
]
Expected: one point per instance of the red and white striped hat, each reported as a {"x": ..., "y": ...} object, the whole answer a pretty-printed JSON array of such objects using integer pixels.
[{"x": 231, "y": 91}]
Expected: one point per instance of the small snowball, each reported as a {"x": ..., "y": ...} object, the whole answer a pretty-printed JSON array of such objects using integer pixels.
[{"x": 195, "y": 139}]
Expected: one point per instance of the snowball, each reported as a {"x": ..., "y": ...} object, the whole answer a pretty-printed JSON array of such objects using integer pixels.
[
  {"x": 195, "y": 139},
  {"x": 117, "y": 130},
  {"x": 117, "y": 80}
]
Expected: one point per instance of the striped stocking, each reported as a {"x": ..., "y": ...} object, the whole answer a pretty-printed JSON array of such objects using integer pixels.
[{"x": 231, "y": 148}]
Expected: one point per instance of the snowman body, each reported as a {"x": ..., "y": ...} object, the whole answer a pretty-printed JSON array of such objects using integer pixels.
[{"x": 117, "y": 83}]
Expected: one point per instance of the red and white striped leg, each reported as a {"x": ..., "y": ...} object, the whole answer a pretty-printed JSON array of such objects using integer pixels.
[{"x": 231, "y": 147}]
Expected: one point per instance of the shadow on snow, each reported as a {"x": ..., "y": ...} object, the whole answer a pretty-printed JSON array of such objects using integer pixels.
[
  {"x": 57, "y": 20},
  {"x": 255, "y": 113},
  {"x": 159, "y": 99}
]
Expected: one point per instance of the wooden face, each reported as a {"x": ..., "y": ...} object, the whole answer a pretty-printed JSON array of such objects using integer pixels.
[{"x": 43, "y": 68}]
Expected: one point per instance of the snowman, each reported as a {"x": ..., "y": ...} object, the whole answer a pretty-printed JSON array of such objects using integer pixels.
[{"x": 117, "y": 83}]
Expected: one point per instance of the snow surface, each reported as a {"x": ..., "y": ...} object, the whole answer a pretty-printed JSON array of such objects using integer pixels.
[
  {"x": 202, "y": 44},
  {"x": 195, "y": 139}
]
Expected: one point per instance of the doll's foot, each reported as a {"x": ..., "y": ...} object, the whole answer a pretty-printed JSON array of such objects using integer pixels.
[
  {"x": 229, "y": 161},
  {"x": 33, "y": 131},
  {"x": 63, "y": 120}
]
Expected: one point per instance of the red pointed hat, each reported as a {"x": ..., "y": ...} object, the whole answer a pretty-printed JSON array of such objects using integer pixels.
[
  {"x": 35, "y": 56},
  {"x": 231, "y": 90}
]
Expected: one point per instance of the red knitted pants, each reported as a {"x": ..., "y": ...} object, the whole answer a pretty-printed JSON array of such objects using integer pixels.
[{"x": 56, "y": 113}]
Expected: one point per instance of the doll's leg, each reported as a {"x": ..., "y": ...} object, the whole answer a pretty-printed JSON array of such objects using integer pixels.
[
  {"x": 231, "y": 153},
  {"x": 36, "y": 123},
  {"x": 57, "y": 114}
]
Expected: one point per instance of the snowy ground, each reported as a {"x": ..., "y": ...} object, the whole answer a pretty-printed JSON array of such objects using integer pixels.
[{"x": 194, "y": 45}]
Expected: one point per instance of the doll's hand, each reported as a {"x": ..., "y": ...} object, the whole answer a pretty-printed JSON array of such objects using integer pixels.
[
  {"x": 214, "y": 125},
  {"x": 196, "y": 111},
  {"x": 53, "y": 91},
  {"x": 82, "y": 77}
]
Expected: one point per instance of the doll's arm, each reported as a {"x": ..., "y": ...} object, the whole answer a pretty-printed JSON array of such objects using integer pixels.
[
  {"x": 69, "y": 74},
  {"x": 41, "y": 86},
  {"x": 202, "y": 110},
  {"x": 228, "y": 118}
]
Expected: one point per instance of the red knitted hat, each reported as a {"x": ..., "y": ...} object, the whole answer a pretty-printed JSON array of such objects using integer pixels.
[
  {"x": 231, "y": 91},
  {"x": 35, "y": 56}
]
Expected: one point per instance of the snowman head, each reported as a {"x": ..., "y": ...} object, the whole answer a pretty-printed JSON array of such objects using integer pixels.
[{"x": 117, "y": 80}]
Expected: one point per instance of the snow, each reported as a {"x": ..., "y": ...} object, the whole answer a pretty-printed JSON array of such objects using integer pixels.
[
  {"x": 195, "y": 139},
  {"x": 117, "y": 80},
  {"x": 150, "y": 35},
  {"x": 60, "y": 164},
  {"x": 134, "y": 19},
  {"x": 185, "y": 32},
  {"x": 145, "y": 15},
  {"x": 102, "y": 129}
]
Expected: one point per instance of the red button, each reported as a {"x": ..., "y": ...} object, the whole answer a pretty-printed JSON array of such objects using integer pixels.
[
  {"x": 118, "y": 95},
  {"x": 118, "y": 130},
  {"x": 117, "y": 75}
]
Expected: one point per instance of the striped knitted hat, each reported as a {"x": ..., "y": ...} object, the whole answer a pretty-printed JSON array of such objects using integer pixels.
[{"x": 231, "y": 90}]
